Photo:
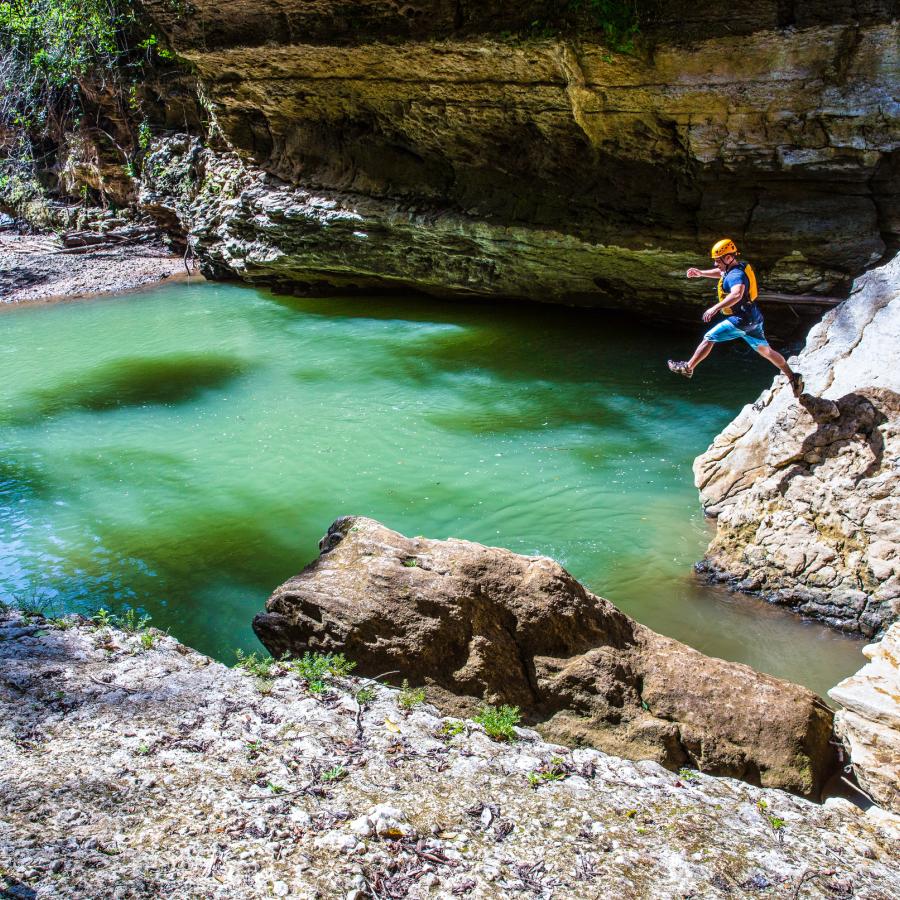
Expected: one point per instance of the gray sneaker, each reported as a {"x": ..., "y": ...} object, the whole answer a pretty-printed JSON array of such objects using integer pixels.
[{"x": 680, "y": 368}]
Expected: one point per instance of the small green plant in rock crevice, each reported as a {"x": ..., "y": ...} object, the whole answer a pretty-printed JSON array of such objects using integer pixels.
[
  {"x": 316, "y": 666},
  {"x": 103, "y": 618},
  {"x": 555, "y": 770},
  {"x": 365, "y": 695},
  {"x": 261, "y": 667},
  {"x": 133, "y": 622},
  {"x": 335, "y": 773},
  {"x": 499, "y": 722},
  {"x": 409, "y": 698},
  {"x": 451, "y": 728}
]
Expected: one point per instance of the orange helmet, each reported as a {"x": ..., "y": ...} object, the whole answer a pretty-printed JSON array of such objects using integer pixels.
[{"x": 723, "y": 248}]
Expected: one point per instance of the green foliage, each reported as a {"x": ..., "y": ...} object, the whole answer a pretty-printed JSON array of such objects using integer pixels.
[
  {"x": 319, "y": 666},
  {"x": 688, "y": 775},
  {"x": 410, "y": 562},
  {"x": 499, "y": 723},
  {"x": 410, "y": 698},
  {"x": 617, "y": 19},
  {"x": 452, "y": 727},
  {"x": 261, "y": 667},
  {"x": 133, "y": 622},
  {"x": 365, "y": 695},
  {"x": 555, "y": 770},
  {"x": 334, "y": 774},
  {"x": 103, "y": 618},
  {"x": 148, "y": 640}
]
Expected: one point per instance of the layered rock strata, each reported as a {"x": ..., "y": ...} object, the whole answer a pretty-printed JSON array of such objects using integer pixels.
[
  {"x": 128, "y": 771},
  {"x": 807, "y": 494},
  {"x": 869, "y": 721},
  {"x": 478, "y": 623},
  {"x": 415, "y": 147}
]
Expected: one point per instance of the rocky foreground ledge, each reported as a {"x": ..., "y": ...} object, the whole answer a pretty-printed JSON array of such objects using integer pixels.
[{"x": 132, "y": 766}]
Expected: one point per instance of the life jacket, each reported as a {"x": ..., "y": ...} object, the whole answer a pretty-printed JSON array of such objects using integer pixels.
[{"x": 749, "y": 296}]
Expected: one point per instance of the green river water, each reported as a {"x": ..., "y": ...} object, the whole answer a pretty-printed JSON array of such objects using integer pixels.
[{"x": 183, "y": 450}]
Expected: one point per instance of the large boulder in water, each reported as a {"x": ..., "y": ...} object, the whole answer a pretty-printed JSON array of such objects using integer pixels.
[{"x": 481, "y": 624}]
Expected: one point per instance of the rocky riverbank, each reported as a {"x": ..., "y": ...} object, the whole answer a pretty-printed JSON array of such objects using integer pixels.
[
  {"x": 133, "y": 766},
  {"x": 39, "y": 267},
  {"x": 806, "y": 494}
]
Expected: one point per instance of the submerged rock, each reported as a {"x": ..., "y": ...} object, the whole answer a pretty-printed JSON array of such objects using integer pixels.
[
  {"x": 807, "y": 494},
  {"x": 869, "y": 723},
  {"x": 478, "y": 623}
]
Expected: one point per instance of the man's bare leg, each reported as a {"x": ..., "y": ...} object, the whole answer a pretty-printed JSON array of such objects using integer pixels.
[
  {"x": 702, "y": 351},
  {"x": 773, "y": 356},
  {"x": 777, "y": 360}
]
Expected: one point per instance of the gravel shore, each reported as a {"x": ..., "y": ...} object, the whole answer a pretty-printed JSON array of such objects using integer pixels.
[
  {"x": 132, "y": 766},
  {"x": 38, "y": 267}
]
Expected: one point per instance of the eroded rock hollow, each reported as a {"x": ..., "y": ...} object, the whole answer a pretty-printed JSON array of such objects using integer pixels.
[{"x": 478, "y": 623}]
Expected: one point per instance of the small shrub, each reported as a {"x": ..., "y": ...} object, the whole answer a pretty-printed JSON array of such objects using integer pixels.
[
  {"x": 264, "y": 686},
  {"x": 103, "y": 618},
  {"x": 334, "y": 774},
  {"x": 688, "y": 775},
  {"x": 499, "y": 723},
  {"x": 261, "y": 667},
  {"x": 410, "y": 698},
  {"x": 148, "y": 639},
  {"x": 410, "y": 562}
]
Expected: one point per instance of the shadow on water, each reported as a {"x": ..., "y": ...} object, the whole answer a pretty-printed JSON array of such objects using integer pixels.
[
  {"x": 132, "y": 381},
  {"x": 20, "y": 479}
]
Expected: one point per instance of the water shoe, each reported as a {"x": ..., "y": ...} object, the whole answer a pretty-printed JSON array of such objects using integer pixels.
[{"x": 680, "y": 368}]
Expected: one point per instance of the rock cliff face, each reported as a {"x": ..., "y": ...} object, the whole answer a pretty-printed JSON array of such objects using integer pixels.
[
  {"x": 422, "y": 145},
  {"x": 479, "y": 623},
  {"x": 807, "y": 495},
  {"x": 869, "y": 723}
]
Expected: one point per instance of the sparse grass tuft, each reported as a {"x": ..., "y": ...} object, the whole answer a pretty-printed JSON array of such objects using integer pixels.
[
  {"x": 334, "y": 774},
  {"x": 499, "y": 723},
  {"x": 133, "y": 622}
]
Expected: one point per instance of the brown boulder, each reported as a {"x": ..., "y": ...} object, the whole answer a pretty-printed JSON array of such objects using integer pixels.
[{"x": 482, "y": 624}]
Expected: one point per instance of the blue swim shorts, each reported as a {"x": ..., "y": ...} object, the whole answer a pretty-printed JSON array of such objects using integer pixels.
[{"x": 726, "y": 331}]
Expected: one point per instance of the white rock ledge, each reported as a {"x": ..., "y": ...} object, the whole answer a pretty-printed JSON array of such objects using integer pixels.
[
  {"x": 136, "y": 772},
  {"x": 869, "y": 723}
]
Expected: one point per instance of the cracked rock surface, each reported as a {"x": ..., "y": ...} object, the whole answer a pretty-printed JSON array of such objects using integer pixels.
[
  {"x": 807, "y": 494},
  {"x": 135, "y": 772}
]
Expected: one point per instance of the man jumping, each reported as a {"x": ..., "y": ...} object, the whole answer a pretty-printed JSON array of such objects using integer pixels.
[{"x": 739, "y": 315}]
